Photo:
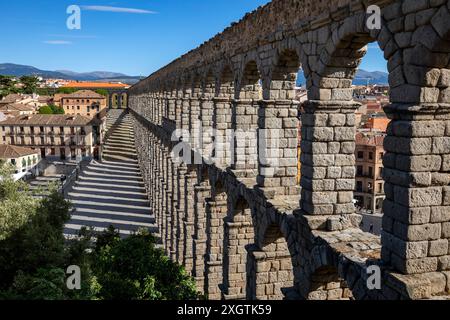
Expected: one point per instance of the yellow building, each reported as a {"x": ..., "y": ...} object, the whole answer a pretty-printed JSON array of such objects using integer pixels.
[
  {"x": 83, "y": 103},
  {"x": 369, "y": 192}
]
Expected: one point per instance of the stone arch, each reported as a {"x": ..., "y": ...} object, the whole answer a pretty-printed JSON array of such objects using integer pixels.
[
  {"x": 245, "y": 120},
  {"x": 124, "y": 100},
  {"x": 270, "y": 268},
  {"x": 239, "y": 234},
  {"x": 222, "y": 116},
  {"x": 250, "y": 83},
  {"x": 278, "y": 127},
  {"x": 115, "y": 100},
  {"x": 209, "y": 82},
  {"x": 284, "y": 76},
  {"x": 325, "y": 284},
  {"x": 225, "y": 87}
]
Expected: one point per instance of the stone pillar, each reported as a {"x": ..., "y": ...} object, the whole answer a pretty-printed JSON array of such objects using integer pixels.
[
  {"x": 202, "y": 192},
  {"x": 270, "y": 272},
  {"x": 194, "y": 122},
  {"x": 174, "y": 214},
  {"x": 182, "y": 171},
  {"x": 189, "y": 219},
  {"x": 328, "y": 164},
  {"x": 245, "y": 125},
  {"x": 222, "y": 123},
  {"x": 171, "y": 105},
  {"x": 206, "y": 132},
  {"x": 416, "y": 223},
  {"x": 277, "y": 145},
  {"x": 216, "y": 211},
  {"x": 239, "y": 234},
  {"x": 169, "y": 202}
]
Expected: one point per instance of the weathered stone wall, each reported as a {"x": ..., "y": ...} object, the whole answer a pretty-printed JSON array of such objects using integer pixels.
[{"x": 241, "y": 225}]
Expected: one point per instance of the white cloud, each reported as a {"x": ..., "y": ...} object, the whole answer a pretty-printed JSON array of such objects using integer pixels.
[
  {"x": 117, "y": 9},
  {"x": 57, "y": 42}
]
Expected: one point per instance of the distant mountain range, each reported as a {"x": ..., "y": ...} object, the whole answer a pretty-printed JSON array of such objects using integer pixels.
[
  {"x": 22, "y": 70},
  {"x": 362, "y": 77}
]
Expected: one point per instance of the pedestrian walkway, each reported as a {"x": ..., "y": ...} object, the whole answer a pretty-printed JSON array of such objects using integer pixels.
[{"x": 112, "y": 192}]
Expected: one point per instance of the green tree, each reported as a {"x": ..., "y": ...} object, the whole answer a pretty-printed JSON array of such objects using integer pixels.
[
  {"x": 29, "y": 83},
  {"x": 134, "y": 269},
  {"x": 66, "y": 90},
  {"x": 7, "y": 86},
  {"x": 103, "y": 92},
  {"x": 45, "y": 110},
  {"x": 51, "y": 109},
  {"x": 56, "y": 109}
]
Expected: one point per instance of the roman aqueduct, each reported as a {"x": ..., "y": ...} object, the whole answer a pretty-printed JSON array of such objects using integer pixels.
[{"x": 244, "y": 227}]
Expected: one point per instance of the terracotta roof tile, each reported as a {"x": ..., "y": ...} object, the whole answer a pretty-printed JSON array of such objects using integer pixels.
[
  {"x": 11, "y": 152},
  {"x": 47, "y": 120}
]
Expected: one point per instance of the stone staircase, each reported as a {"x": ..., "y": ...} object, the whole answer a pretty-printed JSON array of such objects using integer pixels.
[{"x": 112, "y": 192}]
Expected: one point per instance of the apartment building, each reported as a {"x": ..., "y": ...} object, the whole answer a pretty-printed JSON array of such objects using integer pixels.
[
  {"x": 369, "y": 193},
  {"x": 64, "y": 137},
  {"x": 83, "y": 102}
]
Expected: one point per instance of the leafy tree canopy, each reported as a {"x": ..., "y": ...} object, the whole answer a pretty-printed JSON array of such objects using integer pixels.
[
  {"x": 51, "y": 109},
  {"x": 103, "y": 92}
]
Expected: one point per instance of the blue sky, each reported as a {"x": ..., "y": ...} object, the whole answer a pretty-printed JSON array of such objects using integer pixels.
[{"x": 135, "y": 42}]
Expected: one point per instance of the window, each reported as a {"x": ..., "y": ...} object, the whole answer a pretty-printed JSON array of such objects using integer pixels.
[
  {"x": 360, "y": 154},
  {"x": 380, "y": 156},
  {"x": 52, "y": 151},
  {"x": 370, "y": 155},
  {"x": 359, "y": 186},
  {"x": 359, "y": 171},
  {"x": 78, "y": 107},
  {"x": 13, "y": 161},
  {"x": 61, "y": 130},
  {"x": 41, "y": 129},
  {"x": 32, "y": 129},
  {"x": 42, "y": 141},
  {"x": 380, "y": 188},
  {"x": 381, "y": 173},
  {"x": 370, "y": 172},
  {"x": 22, "y": 129}
]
